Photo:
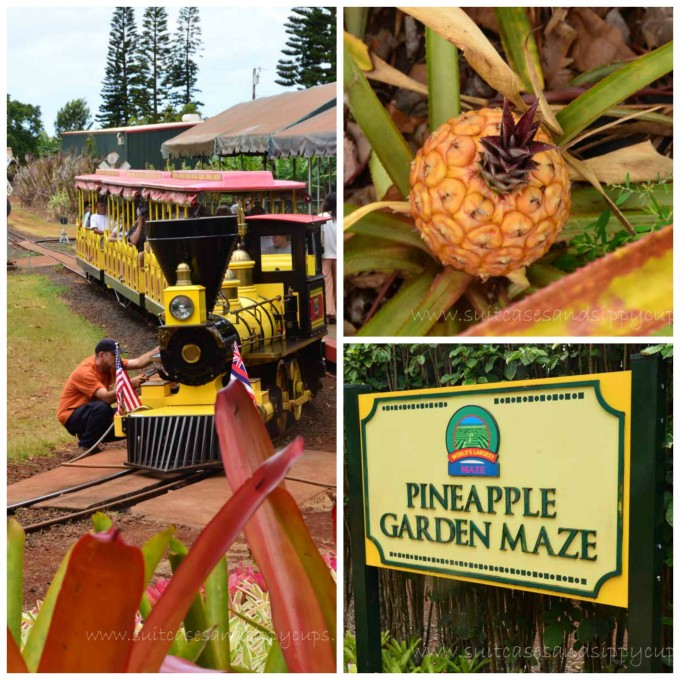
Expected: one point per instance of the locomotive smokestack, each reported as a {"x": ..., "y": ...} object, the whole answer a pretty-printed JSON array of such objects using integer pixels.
[{"x": 205, "y": 244}]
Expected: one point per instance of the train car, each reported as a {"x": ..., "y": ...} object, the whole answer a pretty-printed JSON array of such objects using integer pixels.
[
  {"x": 168, "y": 195},
  {"x": 254, "y": 282}
]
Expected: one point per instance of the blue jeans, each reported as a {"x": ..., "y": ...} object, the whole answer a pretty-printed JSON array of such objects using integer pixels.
[{"x": 89, "y": 422}]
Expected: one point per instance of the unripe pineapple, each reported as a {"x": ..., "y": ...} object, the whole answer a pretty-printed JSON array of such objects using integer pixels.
[{"x": 485, "y": 196}]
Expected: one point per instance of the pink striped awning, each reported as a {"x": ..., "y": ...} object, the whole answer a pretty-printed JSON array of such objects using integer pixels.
[
  {"x": 87, "y": 186},
  {"x": 177, "y": 197}
]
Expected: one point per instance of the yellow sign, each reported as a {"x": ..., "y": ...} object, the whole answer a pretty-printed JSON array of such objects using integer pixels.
[{"x": 523, "y": 484}]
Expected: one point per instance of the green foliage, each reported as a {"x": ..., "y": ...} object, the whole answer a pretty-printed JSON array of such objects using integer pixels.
[
  {"x": 196, "y": 600},
  {"x": 58, "y": 205},
  {"x": 90, "y": 147},
  {"x": 46, "y": 145},
  {"x": 407, "y": 657},
  {"x": 123, "y": 90},
  {"x": 310, "y": 53},
  {"x": 666, "y": 351},
  {"x": 596, "y": 240},
  {"x": 186, "y": 48},
  {"x": 393, "y": 367},
  {"x": 23, "y": 128},
  {"x": 74, "y": 115}
]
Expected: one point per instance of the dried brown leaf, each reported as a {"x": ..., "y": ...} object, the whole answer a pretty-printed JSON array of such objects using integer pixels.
[
  {"x": 641, "y": 162},
  {"x": 597, "y": 43},
  {"x": 657, "y": 26},
  {"x": 559, "y": 36},
  {"x": 357, "y": 151}
]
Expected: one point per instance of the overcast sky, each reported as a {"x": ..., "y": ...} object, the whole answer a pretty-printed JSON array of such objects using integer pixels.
[{"x": 56, "y": 54}]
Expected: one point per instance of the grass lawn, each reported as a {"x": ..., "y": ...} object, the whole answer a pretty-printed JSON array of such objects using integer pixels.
[
  {"x": 45, "y": 342},
  {"x": 27, "y": 222}
]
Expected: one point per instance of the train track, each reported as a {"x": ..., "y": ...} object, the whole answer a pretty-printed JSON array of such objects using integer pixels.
[
  {"x": 42, "y": 247},
  {"x": 123, "y": 500}
]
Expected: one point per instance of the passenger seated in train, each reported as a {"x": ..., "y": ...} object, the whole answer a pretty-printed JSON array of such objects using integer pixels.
[
  {"x": 137, "y": 236},
  {"x": 88, "y": 215},
  {"x": 99, "y": 222},
  {"x": 253, "y": 208}
]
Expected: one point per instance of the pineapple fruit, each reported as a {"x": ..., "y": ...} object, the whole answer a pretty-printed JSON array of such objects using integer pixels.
[{"x": 489, "y": 194}]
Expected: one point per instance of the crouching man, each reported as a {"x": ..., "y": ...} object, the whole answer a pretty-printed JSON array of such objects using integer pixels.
[{"x": 85, "y": 403}]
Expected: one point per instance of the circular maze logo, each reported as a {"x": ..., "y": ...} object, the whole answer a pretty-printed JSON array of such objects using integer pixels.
[{"x": 472, "y": 443}]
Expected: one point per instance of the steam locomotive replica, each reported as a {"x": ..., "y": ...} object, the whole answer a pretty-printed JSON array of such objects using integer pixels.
[{"x": 213, "y": 280}]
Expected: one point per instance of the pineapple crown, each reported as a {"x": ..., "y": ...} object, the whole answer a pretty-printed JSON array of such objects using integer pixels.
[{"x": 508, "y": 157}]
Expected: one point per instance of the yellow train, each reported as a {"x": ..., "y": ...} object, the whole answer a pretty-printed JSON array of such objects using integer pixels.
[{"x": 212, "y": 279}]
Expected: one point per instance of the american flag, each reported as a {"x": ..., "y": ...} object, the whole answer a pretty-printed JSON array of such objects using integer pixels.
[
  {"x": 238, "y": 372},
  {"x": 126, "y": 396}
]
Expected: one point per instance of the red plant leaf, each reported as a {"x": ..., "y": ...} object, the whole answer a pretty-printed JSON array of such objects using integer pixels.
[
  {"x": 150, "y": 650},
  {"x": 300, "y": 586},
  {"x": 94, "y": 616},
  {"x": 15, "y": 662}
]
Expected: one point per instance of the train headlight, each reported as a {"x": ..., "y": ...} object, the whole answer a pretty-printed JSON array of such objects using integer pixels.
[{"x": 181, "y": 307}]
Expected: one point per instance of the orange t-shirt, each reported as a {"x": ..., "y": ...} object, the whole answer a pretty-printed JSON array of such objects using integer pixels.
[{"x": 82, "y": 385}]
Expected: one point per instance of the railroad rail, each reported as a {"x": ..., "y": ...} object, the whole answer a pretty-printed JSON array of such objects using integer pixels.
[
  {"x": 37, "y": 246},
  {"x": 124, "y": 500}
]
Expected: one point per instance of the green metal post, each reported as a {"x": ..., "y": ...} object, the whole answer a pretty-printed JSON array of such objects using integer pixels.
[
  {"x": 364, "y": 579},
  {"x": 646, "y": 515}
]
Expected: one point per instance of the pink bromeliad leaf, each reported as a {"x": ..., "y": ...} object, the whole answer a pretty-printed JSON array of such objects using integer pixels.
[
  {"x": 149, "y": 652},
  {"x": 301, "y": 589}
]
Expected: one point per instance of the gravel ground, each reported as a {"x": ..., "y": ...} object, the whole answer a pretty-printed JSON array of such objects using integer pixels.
[{"x": 137, "y": 333}]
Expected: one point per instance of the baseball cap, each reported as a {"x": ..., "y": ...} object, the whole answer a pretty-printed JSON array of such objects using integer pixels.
[{"x": 105, "y": 345}]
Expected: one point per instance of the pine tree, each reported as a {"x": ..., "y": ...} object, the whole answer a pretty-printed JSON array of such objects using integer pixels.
[
  {"x": 311, "y": 48},
  {"x": 156, "y": 62},
  {"x": 187, "y": 48},
  {"x": 123, "y": 87}
]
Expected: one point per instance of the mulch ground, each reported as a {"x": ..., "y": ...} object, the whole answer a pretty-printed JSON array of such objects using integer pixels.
[{"x": 45, "y": 549}]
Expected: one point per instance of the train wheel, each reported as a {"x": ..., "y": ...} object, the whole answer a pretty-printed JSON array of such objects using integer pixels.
[
  {"x": 297, "y": 387},
  {"x": 281, "y": 418}
]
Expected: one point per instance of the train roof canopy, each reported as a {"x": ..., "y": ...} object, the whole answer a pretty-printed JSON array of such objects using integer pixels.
[
  {"x": 247, "y": 127},
  {"x": 186, "y": 180},
  {"x": 181, "y": 186}
]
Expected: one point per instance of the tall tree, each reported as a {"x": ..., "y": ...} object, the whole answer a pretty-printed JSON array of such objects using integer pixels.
[
  {"x": 310, "y": 49},
  {"x": 74, "y": 115},
  {"x": 187, "y": 49},
  {"x": 23, "y": 128},
  {"x": 123, "y": 93},
  {"x": 156, "y": 62}
]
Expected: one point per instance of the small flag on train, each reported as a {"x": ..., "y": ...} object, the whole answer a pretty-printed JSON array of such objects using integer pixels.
[
  {"x": 126, "y": 396},
  {"x": 238, "y": 372}
]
